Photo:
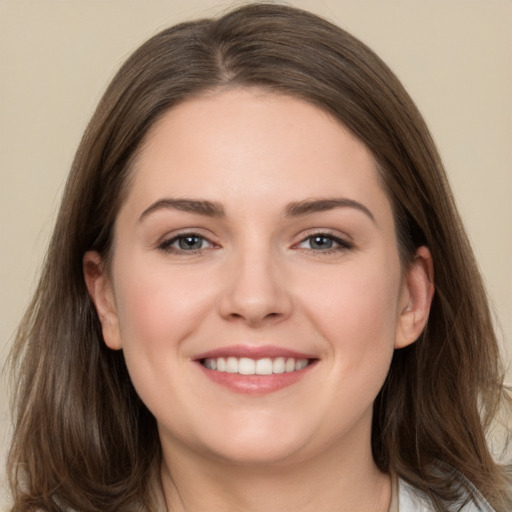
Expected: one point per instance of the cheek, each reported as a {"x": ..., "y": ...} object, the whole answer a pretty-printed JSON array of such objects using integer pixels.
[
  {"x": 156, "y": 303},
  {"x": 158, "y": 308},
  {"x": 356, "y": 311}
]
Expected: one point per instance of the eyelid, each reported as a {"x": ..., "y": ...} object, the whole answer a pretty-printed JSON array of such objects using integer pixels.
[
  {"x": 344, "y": 241},
  {"x": 165, "y": 243}
]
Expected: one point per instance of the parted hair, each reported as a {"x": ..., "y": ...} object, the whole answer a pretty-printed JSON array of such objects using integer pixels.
[{"x": 83, "y": 440}]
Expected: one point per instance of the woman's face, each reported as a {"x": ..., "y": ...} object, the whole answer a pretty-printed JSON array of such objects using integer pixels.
[{"x": 255, "y": 286}]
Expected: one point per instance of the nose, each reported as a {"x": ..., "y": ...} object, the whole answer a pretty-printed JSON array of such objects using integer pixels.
[{"x": 255, "y": 291}]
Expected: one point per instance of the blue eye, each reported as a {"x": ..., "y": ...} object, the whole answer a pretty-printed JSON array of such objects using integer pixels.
[
  {"x": 323, "y": 243},
  {"x": 188, "y": 242}
]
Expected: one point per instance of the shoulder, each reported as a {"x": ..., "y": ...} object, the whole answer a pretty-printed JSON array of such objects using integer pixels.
[{"x": 411, "y": 500}]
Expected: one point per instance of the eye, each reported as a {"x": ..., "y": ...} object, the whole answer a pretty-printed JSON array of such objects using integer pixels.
[
  {"x": 324, "y": 242},
  {"x": 186, "y": 242}
]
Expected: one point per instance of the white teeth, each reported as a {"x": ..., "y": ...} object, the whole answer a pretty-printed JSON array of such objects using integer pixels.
[
  {"x": 289, "y": 365},
  {"x": 278, "y": 365},
  {"x": 264, "y": 366},
  {"x": 301, "y": 363},
  {"x": 232, "y": 365},
  {"x": 248, "y": 366}
]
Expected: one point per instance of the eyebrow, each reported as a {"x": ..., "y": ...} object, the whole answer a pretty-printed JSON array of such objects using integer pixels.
[
  {"x": 308, "y": 206},
  {"x": 293, "y": 209},
  {"x": 199, "y": 207}
]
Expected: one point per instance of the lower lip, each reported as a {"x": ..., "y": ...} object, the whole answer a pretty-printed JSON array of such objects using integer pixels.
[{"x": 256, "y": 384}]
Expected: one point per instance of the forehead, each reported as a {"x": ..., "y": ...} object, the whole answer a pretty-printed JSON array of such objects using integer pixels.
[{"x": 252, "y": 143}]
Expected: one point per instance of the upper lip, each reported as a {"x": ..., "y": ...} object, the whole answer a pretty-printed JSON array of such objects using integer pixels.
[{"x": 253, "y": 352}]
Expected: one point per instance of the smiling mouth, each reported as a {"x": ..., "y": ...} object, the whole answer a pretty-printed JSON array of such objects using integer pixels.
[{"x": 263, "y": 366}]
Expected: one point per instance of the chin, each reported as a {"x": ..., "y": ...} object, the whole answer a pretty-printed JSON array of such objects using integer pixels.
[
  {"x": 260, "y": 453},
  {"x": 256, "y": 445}
]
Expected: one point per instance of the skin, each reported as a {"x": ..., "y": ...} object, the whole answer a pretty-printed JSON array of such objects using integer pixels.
[{"x": 257, "y": 278}]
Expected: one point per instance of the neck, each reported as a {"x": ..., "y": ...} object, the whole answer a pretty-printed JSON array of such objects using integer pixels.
[{"x": 341, "y": 482}]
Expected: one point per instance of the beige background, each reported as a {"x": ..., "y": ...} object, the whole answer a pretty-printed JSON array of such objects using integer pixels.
[{"x": 454, "y": 56}]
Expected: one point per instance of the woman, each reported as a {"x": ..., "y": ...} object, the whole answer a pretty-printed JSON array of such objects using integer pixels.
[{"x": 258, "y": 294}]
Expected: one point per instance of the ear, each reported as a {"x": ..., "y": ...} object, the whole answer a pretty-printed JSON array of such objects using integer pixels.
[
  {"x": 416, "y": 298},
  {"x": 100, "y": 290}
]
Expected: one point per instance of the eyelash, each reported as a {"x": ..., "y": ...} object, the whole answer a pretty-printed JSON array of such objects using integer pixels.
[
  {"x": 167, "y": 245},
  {"x": 340, "y": 244}
]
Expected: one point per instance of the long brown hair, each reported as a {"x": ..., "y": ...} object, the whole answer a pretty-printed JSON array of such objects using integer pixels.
[{"x": 84, "y": 440}]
